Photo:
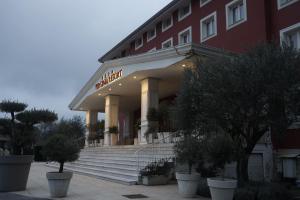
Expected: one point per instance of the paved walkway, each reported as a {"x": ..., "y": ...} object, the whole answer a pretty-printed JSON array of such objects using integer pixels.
[{"x": 87, "y": 188}]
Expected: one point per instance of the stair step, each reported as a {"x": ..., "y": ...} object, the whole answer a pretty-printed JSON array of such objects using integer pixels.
[
  {"x": 102, "y": 176},
  {"x": 118, "y": 164}
]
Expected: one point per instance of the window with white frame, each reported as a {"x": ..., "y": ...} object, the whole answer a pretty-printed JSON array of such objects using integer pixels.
[
  {"x": 151, "y": 34},
  {"x": 291, "y": 36},
  {"x": 167, "y": 23},
  {"x": 167, "y": 44},
  {"x": 208, "y": 26},
  {"x": 236, "y": 13},
  {"x": 138, "y": 43},
  {"x": 184, "y": 11},
  {"x": 204, "y": 2},
  {"x": 185, "y": 36},
  {"x": 284, "y": 3}
]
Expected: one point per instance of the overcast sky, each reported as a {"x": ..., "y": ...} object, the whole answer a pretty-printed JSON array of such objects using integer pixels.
[{"x": 49, "y": 48}]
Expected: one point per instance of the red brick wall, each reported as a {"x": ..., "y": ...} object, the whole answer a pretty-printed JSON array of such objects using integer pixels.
[{"x": 264, "y": 21}]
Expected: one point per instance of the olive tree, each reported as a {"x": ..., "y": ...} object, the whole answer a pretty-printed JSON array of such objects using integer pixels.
[{"x": 246, "y": 96}]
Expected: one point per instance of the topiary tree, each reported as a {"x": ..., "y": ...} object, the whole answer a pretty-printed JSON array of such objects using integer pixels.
[
  {"x": 60, "y": 148},
  {"x": 22, "y": 125}
]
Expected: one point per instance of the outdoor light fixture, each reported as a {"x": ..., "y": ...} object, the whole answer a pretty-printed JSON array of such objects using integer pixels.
[
  {"x": 134, "y": 77},
  {"x": 99, "y": 94},
  {"x": 183, "y": 65}
]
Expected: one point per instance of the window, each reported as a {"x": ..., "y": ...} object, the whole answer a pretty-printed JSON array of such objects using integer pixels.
[
  {"x": 284, "y": 3},
  {"x": 208, "y": 27},
  {"x": 291, "y": 36},
  {"x": 204, "y": 2},
  {"x": 167, "y": 44},
  {"x": 138, "y": 43},
  {"x": 184, "y": 12},
  {"x": 185, "y": 36},
  {"x": 167, "y": 23},
  {"x": 151, "y": 34},
  {"x": 236, "y": 13}
]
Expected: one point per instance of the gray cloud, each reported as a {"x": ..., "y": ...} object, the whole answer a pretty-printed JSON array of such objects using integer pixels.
[{"x": 49, "y": 48}]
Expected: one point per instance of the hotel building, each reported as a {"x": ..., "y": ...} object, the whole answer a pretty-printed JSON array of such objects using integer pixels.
[{"x": 145, "y": 69}]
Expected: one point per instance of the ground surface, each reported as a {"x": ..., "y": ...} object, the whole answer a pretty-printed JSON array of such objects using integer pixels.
[{"x": 87, "y": 188}]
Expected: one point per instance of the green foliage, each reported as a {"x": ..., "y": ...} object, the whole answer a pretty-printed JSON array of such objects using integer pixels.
[
  {"x": 189, "y": 151},
  {"x": 23, "y": 132},
  {"x": 5, "y": 125},
  {"x": 262, "y": 191},
  {"x": 8, "y": 106},
  {"x": 73, "y": 128},
  {"x": 219, "y": 150},
  {"x": 61, "y": 148},
  {"x": 34, "y": 116},
  {"x": 96, "y": 131},
  {"x": 244, "y": 96},
  {"x": 160, "y": 167},
  {"x": 137, "y": 125},
  {"x": 152, "y": 114},
  {"x": 113, "y": 130}
]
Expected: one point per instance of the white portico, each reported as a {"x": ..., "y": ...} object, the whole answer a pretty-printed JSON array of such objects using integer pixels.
[{"x": 124, "y": 89}]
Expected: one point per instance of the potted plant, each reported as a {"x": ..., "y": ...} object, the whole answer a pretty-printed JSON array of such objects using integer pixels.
[
  {"x": 113, "y": 131},
  {"x": 156, "y": 173},
  {"x": 153, "y": 121},
  {"x": 188, "y": 153},
  {"x": 15, "y": 167},
  {"x": 61, "y": 149},
  {"x": 219, "y": 150}
]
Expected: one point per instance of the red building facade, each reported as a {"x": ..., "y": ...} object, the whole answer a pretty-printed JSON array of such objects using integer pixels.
[{"x": 233, "y": 25}]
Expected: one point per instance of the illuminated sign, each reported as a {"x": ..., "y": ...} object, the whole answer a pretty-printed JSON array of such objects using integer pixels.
[{"x": 108, "y": 78}]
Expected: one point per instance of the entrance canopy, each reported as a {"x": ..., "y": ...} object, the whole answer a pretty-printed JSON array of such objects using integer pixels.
[{"x": 122, "y": 77}]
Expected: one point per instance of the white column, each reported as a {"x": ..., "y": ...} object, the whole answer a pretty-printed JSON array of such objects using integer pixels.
[
  {"x": 91, "y": 118},
  {"x": 149, "y": 99},
  {"x": 111, "y": 118}
]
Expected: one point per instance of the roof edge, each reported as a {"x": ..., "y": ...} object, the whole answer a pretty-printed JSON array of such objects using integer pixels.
[{"x": 163, "y": 10}]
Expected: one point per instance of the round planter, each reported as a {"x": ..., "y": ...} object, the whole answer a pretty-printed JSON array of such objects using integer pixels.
[
  {"x": 222, "y": 189},
  {"x": 188, "y": 184},
  {"x": 14, "y": 171},
  {"x": 59, "y": 183}
]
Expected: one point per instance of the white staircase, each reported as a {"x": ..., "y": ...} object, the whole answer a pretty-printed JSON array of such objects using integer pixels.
[{"x": 117, "y": 163}]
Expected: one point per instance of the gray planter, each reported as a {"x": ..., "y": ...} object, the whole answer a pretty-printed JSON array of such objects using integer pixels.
[
  {"x": 155, "y": 180},
  {"x": 59, "y": 183},
  {"x": 14, "y": 171},
  {"x": 222, "y": 189},
  {"x": 188, "y": 184}
]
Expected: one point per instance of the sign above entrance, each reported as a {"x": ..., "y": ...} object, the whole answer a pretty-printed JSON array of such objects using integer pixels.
[{"x": 109, "y": 77}]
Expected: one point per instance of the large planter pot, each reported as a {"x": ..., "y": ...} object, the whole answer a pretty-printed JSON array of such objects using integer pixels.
[
  {"x": 155, "y": 180},
  {"x": 14, "y": 171},
  {"x": 59, "y": 183},
  {"x": 188, "y": 184},
  {"x": 221, "y": 189}
]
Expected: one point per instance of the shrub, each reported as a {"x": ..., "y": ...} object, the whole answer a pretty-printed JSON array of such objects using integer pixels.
[
  {"x": 61, "y": 149},
  {"x": 219, "y": 150},
  {"x": 188, "y": 151},
  {"x": 22, "y": 125},
  {"x": 152, "y": 114},
  {"x": 113, "y": 130},
  {"x": 160, "y": 167}
]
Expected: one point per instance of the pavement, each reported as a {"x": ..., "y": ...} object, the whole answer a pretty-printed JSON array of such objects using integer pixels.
[{"x": 89, "y": 188}]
